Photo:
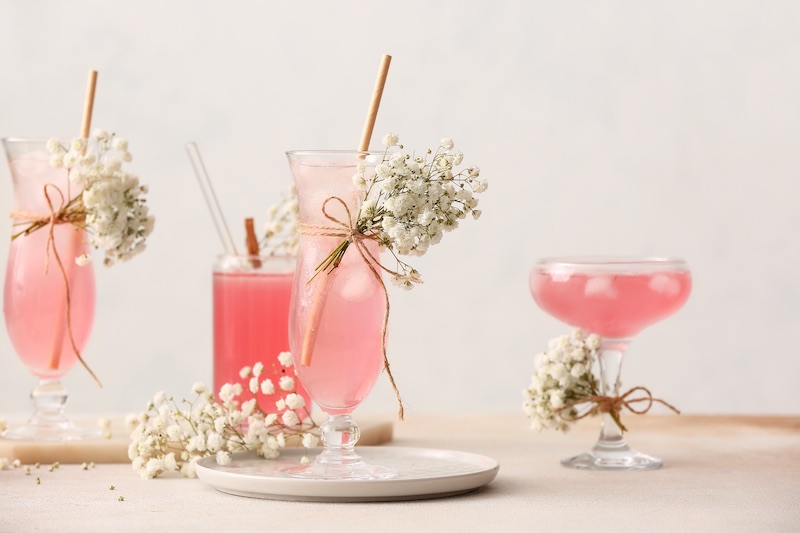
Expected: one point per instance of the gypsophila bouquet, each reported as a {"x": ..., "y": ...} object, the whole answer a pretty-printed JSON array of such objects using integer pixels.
[
  {"x": 112, "y": 206},
  {"x": 171, "y": 436},
  {"x": 412, "y": 200},
  {"x": 280, "y": 232},
  {"x": 562, "y": 381}
]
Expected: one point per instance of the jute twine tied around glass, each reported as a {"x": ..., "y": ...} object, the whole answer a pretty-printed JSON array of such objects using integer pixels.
[
  {"x": 613, "y": 405},
  {"x": 62, "y": 215},
  {"x": 347, "y": 231}
]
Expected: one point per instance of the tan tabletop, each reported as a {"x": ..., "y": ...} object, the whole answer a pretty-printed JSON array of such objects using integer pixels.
[{"x": 720, "y": 474}]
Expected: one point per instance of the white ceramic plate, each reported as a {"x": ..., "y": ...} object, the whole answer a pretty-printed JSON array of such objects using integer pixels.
[{"x": 422, "y": 473}]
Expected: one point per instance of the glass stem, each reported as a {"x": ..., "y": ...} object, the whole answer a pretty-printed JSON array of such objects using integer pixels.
[
  {"x": 339, "y": 436},
  {"x": 48, "y": 398},
  {"x": 610, "y": 358}
]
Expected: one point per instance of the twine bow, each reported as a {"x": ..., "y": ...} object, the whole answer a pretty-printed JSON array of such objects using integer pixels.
[
  {"x": 613, "y": 405},
  {"x": 62, "y": 215},
  {"x": 351, "y": 235}
]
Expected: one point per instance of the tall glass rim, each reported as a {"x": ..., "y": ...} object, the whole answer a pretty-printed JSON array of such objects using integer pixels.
[
  {"x": 612, "y": 263},
  {"x": 16, "y": 146},
  {"x": 333, "y": 153}
]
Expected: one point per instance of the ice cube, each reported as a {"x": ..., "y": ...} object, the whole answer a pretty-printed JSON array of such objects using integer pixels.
[
  {"x": 664, "y": 284},
  {"x": 600, "y": 286},
  {"x": 358, "y": 285}
]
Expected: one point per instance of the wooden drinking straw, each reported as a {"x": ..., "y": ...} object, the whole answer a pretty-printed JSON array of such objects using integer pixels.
[
  {"x": 74, "y": 238},
  {"x": 320, "y": 293},
  {"x": 374, "y": 103},
  {"x": 88, "y": 104}
]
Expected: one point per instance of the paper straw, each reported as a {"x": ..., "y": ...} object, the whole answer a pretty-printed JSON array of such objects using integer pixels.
[
  {"x": 374, "y": 104},
  {"x": 321, "y": 289},
  {"x": 88, "y": 104}
]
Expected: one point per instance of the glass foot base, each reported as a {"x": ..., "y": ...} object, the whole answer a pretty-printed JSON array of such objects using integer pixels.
[
  {"x": 599, "y": 460},
  {"x": 53, "y": 432}
]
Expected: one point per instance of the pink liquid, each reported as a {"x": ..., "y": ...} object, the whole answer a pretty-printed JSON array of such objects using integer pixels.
[
  {"x": 251, "y": 325},
  {"x": 612, "y": 305},
  {"x": 347, "y": 355},
  {"x": 34, "y": 302}
]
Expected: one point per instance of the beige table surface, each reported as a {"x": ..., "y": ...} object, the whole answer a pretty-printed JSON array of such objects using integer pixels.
[{"x": 721, "y": 474}]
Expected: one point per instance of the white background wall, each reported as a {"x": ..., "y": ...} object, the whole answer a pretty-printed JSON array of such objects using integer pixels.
[{"x": 667, "y": 128}]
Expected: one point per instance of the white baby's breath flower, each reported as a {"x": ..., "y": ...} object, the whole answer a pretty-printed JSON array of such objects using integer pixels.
[
  {"x": 309, "y": 440},
  {"x": 83, "y": 260},
  {"x": 295, "y": 401},
  {"x": 267, "y": 387},
  {"x": 223, "y": 458},
  {"x": 290, "y": 418},
  {"x": 285, "y": 358},
  {"x": 286, "y": 383},
  {"x": 171, "y": 436},
  {"x": 391, "y": 139},
  {"x": 447, "y": 143}
]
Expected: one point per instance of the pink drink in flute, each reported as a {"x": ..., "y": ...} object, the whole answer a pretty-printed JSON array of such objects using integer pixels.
[
  {"x": 614, "y": 298},
  {"x": 337, "y": 315},
  {"x": 34, "y": 296},
  {"x": 251, "y": 315}
]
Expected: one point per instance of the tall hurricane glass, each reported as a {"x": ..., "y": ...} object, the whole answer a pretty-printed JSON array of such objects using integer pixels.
[
  {"x": 35, "y": 303},
  {"x": 336, "y": 317},
  {"x": 615, "y": 298}
]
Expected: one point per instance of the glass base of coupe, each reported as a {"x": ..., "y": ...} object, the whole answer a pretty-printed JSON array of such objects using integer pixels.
[{"x": 612, "y": 298}]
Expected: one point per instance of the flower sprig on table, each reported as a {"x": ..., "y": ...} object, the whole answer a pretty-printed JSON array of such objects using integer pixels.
[
  {"x": 171, "y": 436},
  {"x": 410, "y": 202},
  {"x": 112, "y": 205},
  {"x": 562, "y": 380}
]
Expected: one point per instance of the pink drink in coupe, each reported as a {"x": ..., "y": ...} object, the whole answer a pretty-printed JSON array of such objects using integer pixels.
[
  {"x": 614, "y": 305},
  {"x": 251, "y": 308}
]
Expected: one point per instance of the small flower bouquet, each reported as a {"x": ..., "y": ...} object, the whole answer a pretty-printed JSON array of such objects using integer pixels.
[
  {"x": 171, "y": 436},
  {"x": 112, "y": 206},
  {"x": 410, "y": 202},
  {"x": 564, "y": 388},
  {"x": 563, "y": 379}
]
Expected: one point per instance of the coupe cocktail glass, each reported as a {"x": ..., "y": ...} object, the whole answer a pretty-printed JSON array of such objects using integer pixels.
[
  {"x": 35, "y": 297},
  {"x": 336, "y": 316},
  {"x": 614, "y": 298}
]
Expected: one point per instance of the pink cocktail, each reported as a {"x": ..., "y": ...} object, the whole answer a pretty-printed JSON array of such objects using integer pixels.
[
  {"x": 42, "y": 322},
  {"x": 337, "y": 316},
  {"x": 251, "y": 316},
  {"x": 614, "y": 298},
  {"x": 614, "y": 305},
  {"x": 34, "y": 301}
]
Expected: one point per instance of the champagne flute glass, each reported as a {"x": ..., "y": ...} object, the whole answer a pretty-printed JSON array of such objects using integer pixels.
[
  {"x": 35, "y": 300},
  {"x": 615, "y": 298},
  {"x": 336, "y": 317}
]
